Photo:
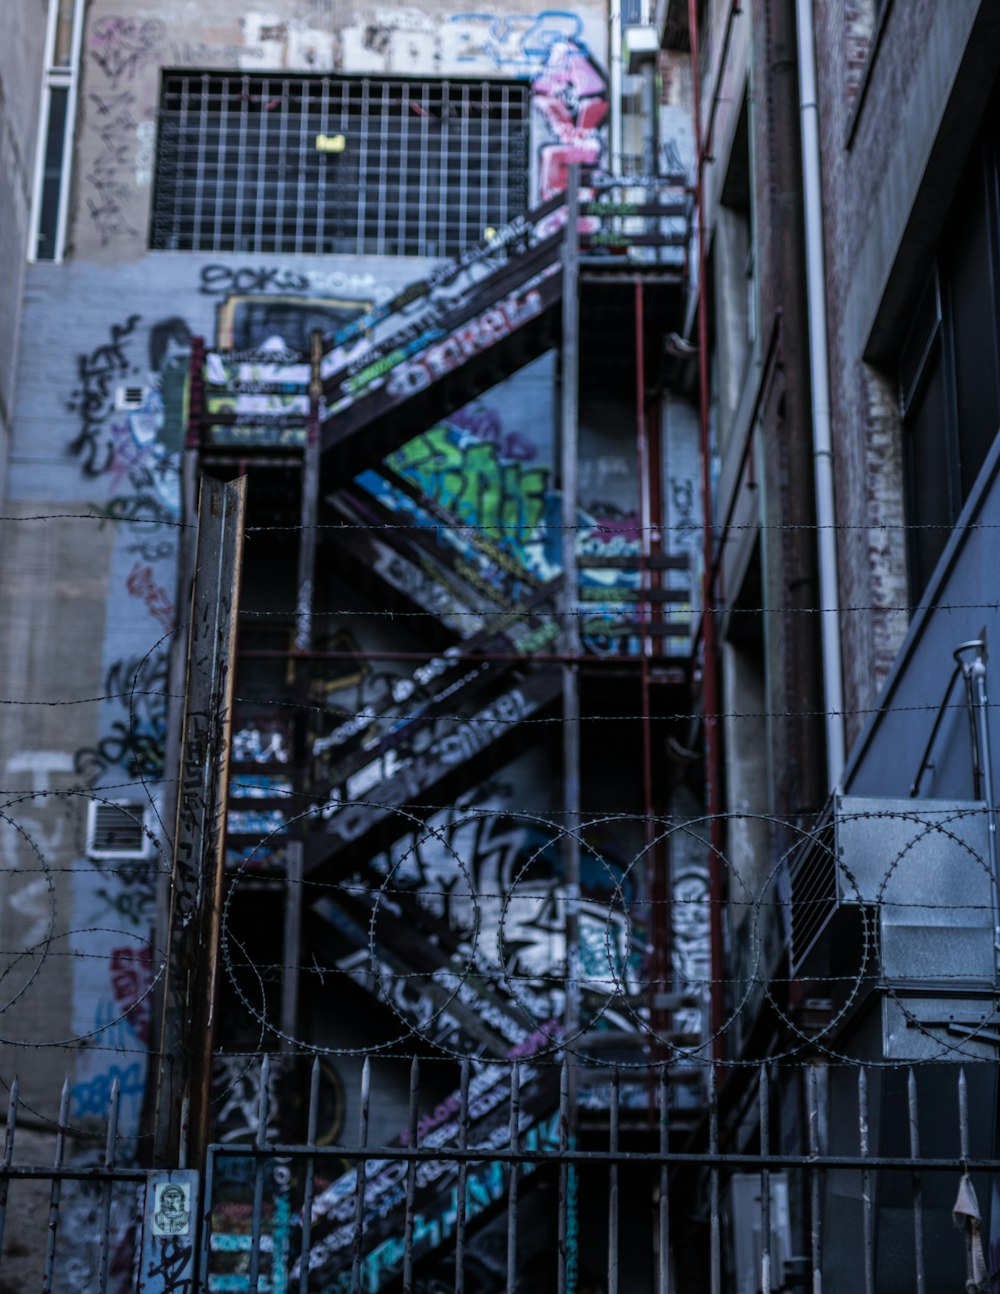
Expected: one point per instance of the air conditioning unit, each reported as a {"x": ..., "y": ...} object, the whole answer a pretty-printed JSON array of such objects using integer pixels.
[
  {"x": 903, "y": 885},
  {"x": 117, "y": 830}
]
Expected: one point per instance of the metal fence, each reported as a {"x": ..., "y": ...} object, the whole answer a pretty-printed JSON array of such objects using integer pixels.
[{"x": 891, "y": 1187}]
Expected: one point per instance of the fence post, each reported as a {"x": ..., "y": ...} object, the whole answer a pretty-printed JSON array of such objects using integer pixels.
[{"x": 188, "y": 1025}]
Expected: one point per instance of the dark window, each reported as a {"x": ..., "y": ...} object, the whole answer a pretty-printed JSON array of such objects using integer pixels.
[
  {"x": 949, "y": 372},
  {"x": 52, "y": 175},
  {"x": 967, "y": 272},
  {"x": 337, "y": 164}
]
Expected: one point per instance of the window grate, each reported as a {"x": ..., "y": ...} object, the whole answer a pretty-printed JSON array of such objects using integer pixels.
[{"x": 336, "y": 164}]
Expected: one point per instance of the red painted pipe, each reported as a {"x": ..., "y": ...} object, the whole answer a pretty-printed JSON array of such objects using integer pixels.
[{"x": 710, "y": 683}]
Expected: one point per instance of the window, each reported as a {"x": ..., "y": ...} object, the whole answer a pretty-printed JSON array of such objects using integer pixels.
[
  {"x": 949, "y": 370},
  {"x": 337, "y": 164},
  {"x": 55, "y": 133}
]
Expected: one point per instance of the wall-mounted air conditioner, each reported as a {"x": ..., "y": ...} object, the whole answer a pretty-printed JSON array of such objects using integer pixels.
[
  {"x": 117, "y": 830},
  {"x": 910, "y": 879}
]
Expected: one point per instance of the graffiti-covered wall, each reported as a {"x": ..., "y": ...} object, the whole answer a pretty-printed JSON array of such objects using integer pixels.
[{"x": 561, "y": 52}]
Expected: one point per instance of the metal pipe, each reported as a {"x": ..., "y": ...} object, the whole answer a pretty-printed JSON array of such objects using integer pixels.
[
  {"x": 715, "y": 1225},
  {"x": 663, "y": 1275},
  {"x": 710, "y": 685},
  {"x": 613, "y": 1186},
  {"x": 977, "y": 671},
  {"x": 55, "y": 1192},
  {"x": 815, "y": 1232},
  {"x": 730, "y": 1161},
  {"x": 486, "y": 658},
  {"x": 104, "y": 1249},
  {"x": 565, "y": 1277},
  {"x": 735, "y": 9},
  {"x": 515, "y": 1139},
  {"x": 645, "y": 524},
  {"x": 8, "y": 1156},
  {"x": 916, "y": 1187},
  {"x": 826, "y": 534},
  {"x": 615, "y": 86},
  {"x": 463, "y": 1171},
  {"x": 866, "y": 1184},
  {"x": 310, "y": 1184},
  {"x": 765, "y": 1184},
  {"x": 260, "y": 1141},
  {"x": 569, "y": 478},
  {"x": 411, "y": 1180},
  {"x": 360, "y": 1174}
]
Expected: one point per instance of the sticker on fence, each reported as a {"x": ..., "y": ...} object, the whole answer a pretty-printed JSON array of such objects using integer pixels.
[{"x": 168, "y": 1233}]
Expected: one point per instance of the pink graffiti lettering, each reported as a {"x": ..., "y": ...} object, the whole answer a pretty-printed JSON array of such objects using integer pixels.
[
  {"x": 141, "y": 583},
  {"x": 571, "y": 96},
  {"x": 131, "y": 976}
]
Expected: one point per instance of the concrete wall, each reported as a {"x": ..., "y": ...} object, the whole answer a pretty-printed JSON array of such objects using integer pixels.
[{"x": 21, "y": 55}]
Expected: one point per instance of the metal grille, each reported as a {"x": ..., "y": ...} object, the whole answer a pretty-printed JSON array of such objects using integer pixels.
[{"x": 335, "y": 164}]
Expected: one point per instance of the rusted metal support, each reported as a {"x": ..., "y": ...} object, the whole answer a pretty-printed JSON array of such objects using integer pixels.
[
  {"x": 569, "y": 605},
  {"x": 188, "y": 1026}
]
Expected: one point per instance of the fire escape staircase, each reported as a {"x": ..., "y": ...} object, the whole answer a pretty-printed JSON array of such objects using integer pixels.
[{"x": 383, "y": 379}]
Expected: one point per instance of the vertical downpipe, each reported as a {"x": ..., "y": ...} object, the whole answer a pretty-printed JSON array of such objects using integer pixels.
[
  {"x": 615, "y": 87},
  {"x": 826, "y": 542},
  {"x": 710, "y": 687}
]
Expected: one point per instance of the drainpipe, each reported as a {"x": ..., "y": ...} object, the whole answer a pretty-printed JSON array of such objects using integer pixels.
[
  {"x": 615, "y": 87},
  {"x": 826, "y": 542},
  {"x": 710, "y": 685}
]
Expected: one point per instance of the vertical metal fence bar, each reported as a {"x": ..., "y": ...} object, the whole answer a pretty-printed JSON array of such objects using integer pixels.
[
  {"x": 562, "y": 1272},
  {"x": 411, "y": 1180},
  {"x": 463, "y": 1170},
  {"x": 56, "y": 1191},
  {"x": 765, "y": 1184},
  {"x": 205, "y": 1240},
  {"x": 866, "y": 1183},
  {"x": 360, "y": 1178},
  {"x": 814, "y": 1182},
  {"x": 715, "y": 1236},
  {"x": 613, "y": 1185},
  {"x": 515, "y": 1121},
  {"x": 663, "y": 1285},
  {"x": 260, "y": 1140},
  {"x": 104, "y": 1251},
  {"x": 309, "y": 1186},
  {"x": 8, "y": 1155},
  {"x": 917, "y": 1188},
  {"x": 185, "y": 1133},
  {"x": 963, "y": 1133}
]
